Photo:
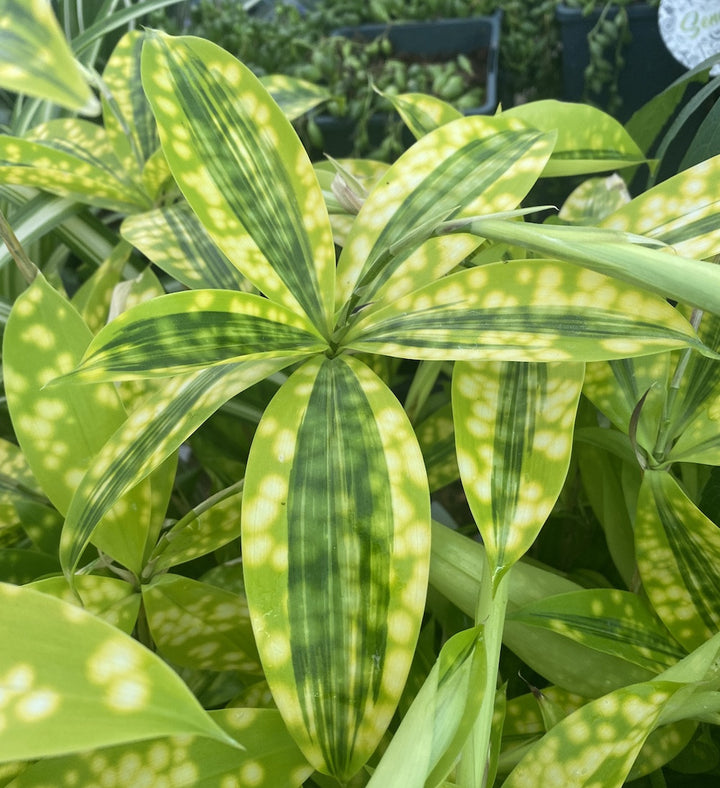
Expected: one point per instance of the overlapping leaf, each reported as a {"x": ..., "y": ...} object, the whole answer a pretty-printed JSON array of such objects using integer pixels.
[
  {"x": 678, "y": 555},
  {"x": 588, "y": 140},
  {"x": 682, "y": 211},
  {"x": 184, "y": 331},
  {"x": 473, "y": 165},
  {"x": 336, "y": 546},
  {"x": 422, "y": 113},
  {"x": 243, "y": 170},
  {"x": 72, "y": 682},
  {"x": 173, "y": 238},
  {"x": 294, "y": 96},
  {"x": 523, "y": 310}
]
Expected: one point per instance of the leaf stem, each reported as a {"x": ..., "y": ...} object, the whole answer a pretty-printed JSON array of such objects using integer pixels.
[{"x": 26, "y": 266}]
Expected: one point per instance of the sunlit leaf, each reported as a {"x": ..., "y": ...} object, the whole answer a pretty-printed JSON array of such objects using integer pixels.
[
  {"x": 184, "y": 331},
  {"x": 522, "y": 415},
  {"x": 270, "y": 759},
  {"x": 678, "y": 555},
  {"x": 35, "y": 58},
  {"x": 243, "y": 170},
  {"x": 682, "y": 211},
  {"x": 436, "y": 437},
  {"x": 594, "y": 199},
  {"x": 473, "y": 165},
  {"x": 93, "y": 297},
  {"x": 152, "y": 432},
  {"x": 72, "y": 682},
  {"x": 174, "y": 240},
  {"x": 201, "y": 626},
  {"x": 523, "y": 310},
  {"x": 588, "y": 139},
  {"x": 422, "y": 113},
  {"x": 335, "y": 553}
]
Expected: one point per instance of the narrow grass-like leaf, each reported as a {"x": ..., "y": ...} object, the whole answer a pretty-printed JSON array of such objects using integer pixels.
[
  {"x": 692, "y": 282},
  {"x": 597, "y": 744},
  {"x": 35, "y": 58},
  {"x": 678, "y": 555},
  {"x": 474, "y": 165},
  {"x": 153, "y": 431},
  {"x": 432, "y": 733},
  {"x": 336, "y": 547},
  {"x": 523, "y": 310},
  {"x": 270, "y": 759},
  {"x": 294, "y": 96},
  {"x": 173, "y": 239},
  {"x": 513, "y": 432},
  {"x": 589, "y": 140},
  {"x": 71, "y": 158},
  {"x": 243, "y": 170},
  {"x": 200, "y": 626},
  {"x": 422, "y": 113},
  {"x": 607, "y": 620},
  {"x": 72, "y": 682},
  {"x": 682, "y": 211},
  {"x": 183, "y": 331}
]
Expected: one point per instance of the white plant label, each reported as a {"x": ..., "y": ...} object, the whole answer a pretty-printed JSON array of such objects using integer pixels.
[{"x": 691, "y": 30}]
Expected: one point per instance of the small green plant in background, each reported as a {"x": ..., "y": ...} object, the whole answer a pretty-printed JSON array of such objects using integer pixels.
[{"x": 308, "y": 623}]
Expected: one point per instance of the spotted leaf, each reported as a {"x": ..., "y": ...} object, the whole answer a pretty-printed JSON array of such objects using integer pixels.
[
  {"x": 270, "y": 759},
  {"x": 35, "y": 58},
  {"x": 682, "y": 212},
  {"x": 588, "y": 139},
  {"x": 294, "y": 96},
  {"x": 473, "y": 165},
  {"x": 422, "y": 113},
  {"x": 200, "y": 626},
  {"x": 336, "y": 546},
  {"x": 522, "y": 310},
  {"x": 243, "y": 170},
  {"x": 73, "y": 682},
  {"x": 678, "y": 555},
  {"x": 175, "y": 241},
  {"x": 184, "y": 331},
  {"x": 513, "y": 431},
  {"x": 152, "y": 432}
]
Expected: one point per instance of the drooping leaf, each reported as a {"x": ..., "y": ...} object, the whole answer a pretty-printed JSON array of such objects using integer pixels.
[
  {"x": 270, "y": 759},
  {"x": 72, "y": 682},
  {"x": 682, "y": 212},
  {"x": 251, "y": 183},
  {"x": 588, "y": 139},
  {"x": 36, "y": 59},
  {"x": 678, "y": 555},
  {"x": 335, "y": 553},
  {"x": 184, "y": 331},
  {"x": 198, "y": 625},
  {"x": 523, "y": 310},
  {"x": 513, "y": 431},
  {"x": 174, "y": 240},
  {"x": 473, "y": 165},
  {"x": 152, "y": 432}
]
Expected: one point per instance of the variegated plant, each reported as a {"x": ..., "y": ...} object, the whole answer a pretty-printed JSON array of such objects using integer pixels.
[{"x": 334, "y": 507}]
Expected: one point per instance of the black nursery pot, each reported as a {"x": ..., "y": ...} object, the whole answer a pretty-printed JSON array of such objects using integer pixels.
[
  {"x": 438, "y": 39},
  {"x": 649, "y": 67}
]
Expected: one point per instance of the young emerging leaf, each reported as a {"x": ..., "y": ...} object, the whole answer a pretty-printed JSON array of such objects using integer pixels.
[
  {"x": 336, "y": 547},
  {"x": 243, "y": 171}
]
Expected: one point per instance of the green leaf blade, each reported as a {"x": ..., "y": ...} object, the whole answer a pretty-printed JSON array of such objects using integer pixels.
[
  {"x": 343, "y": 532},
  {"x": 251, "y": 185}
]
